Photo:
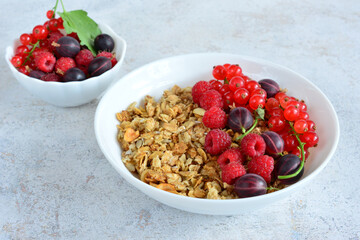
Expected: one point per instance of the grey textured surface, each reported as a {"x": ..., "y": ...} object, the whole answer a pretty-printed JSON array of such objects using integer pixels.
[{"x": 55, "y": 182}]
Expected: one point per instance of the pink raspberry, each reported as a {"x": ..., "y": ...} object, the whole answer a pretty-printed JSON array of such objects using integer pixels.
[
  {"x": 83, "y": 59},
  {"x": 215, "y": 117},
  {"x": 229, "y": 156},
  {"x": 263, "y": 166},
  {"x": 211, "y": 98},
  {"x": 253, "y": 145},
  {"x": 45, "y": 61},
  {"x": 198, "y": 89},
  {"x": 51, "y": 77},
  {"x": 108, "y": 55},
  {"x": 217, "y": 141},
  {"x": 230, "y": 172},
  {"x": 63, "y": 64},
  {"x": 53, "y": 37}
]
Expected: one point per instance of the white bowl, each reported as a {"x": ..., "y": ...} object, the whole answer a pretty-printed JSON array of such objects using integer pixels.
[
  {"x": 185, "y": 71},
  {"x": 71, "y": 94}
]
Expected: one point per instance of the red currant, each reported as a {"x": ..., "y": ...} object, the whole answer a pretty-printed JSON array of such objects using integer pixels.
[
  {"x": 33, "y": 40},
  {"x": 24, "y": 70},
  {"x": 40, "y": 32},
  {"x": 271, "y": 103},
  {"x": 290, "y": 143},
  {"x": 310, "y": 139},
  {"x": 303, "y": 115},
  {"x": 224, "y": 89},
  {"x": 22, "y": 50},
  {"x": 25, "y": 39},
  {"x": 236, "y": 83},
  {"x": 17, "y": 60},
  {"x": 302, "y": 106},
  {"x": 241, "y": 96},
  {"x": 53, "y": 24},
  {"x": 50, "y": 14},
  {"x": 252, "y": 86},
  {"x": 285, "y": 100},
  {"x": 276, "y": 123},
  {"x": 233, "y": 70},
  {"x": 280, "y": 95},
  {"x": 260, "y": 91},
  {"x": 228, "y": 98},
  {"x": 291, "y": 113},
  {"x": 227, "y": 65},
  {"x": 276, "y": 112},
  {"x": 301, "y": 126},
  {"x": 61, "y": 23},
  {"x": 311, "y": 125},
  {"x": 216, "y": 84},
  {"x": 219, "y": 72},
  {"x": 256, "y": 101},
  {"x": 297, "y": 152}
]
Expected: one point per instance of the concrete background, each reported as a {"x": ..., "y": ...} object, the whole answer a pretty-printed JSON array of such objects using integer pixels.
[{"x": 55, "y": 182}]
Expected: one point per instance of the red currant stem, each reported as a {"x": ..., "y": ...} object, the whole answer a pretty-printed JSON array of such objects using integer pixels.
[
  {"x": 62, "y": 5},
  {"x": 226, "y": 81},
  {"x": 302, "y": 156},
  {"x": 248, "y": 131},
  {"x": 272, "y": 188},
  {"x": 243, "y": 129},
  {"x": 55, "y": 7},
  {"x": 31, "y": 51}
]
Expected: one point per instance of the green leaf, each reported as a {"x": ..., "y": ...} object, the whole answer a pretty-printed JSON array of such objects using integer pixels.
[
  {"x": 87, "y": 29},
  {"x": 260, "y": 112}
]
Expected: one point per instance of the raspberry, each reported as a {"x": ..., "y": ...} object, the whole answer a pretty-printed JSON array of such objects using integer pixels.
[
  {"x": 211, "y": 98},
  {"x": 74, "y": 35},
  {"x": 229, "y": 156},
  {"x": 253, "y": 145},
  {"x": 63, "y": 64},
  {"x": 232, "y": 171},
  {"x": 198, "y": 89},
  {"x": 217, "y": 141},
  {"x": 45, "y": 61},
  {"x": 83, "y": 59},
  {"x": 263, "y": 166},
  {"x": 54, "y": 37},
  {"x": 215, "y": 117},
  {"x": 109, "y": 55},
  {"x": 51, "y": 77}
]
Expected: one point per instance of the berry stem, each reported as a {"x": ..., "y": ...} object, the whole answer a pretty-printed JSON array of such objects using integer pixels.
[
  {"x": 248, "y": 131},
  {"x": 302, "y": 156},
  {"x": 31, "y": 51},
  {"x": 272, "y": 188}
]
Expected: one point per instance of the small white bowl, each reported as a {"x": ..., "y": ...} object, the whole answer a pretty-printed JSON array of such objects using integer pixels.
[
  {"x": 71, "y": 94},
  {"x": 186, "y": 70}
]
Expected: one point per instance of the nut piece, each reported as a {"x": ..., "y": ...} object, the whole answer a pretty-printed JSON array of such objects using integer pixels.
[
  {"x": 167, "y": 187},
  {"x": 199, "y": 111},
  {"x": 131, "y": 135}
]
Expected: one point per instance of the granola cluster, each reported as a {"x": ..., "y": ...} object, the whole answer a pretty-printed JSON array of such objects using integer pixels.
[{"x": 163, "y": 143}]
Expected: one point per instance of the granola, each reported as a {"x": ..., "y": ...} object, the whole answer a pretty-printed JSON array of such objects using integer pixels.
[{"x": 162, "y": 143}]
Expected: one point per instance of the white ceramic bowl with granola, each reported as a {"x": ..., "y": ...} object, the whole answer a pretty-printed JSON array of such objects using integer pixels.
[{"x": 176, "y": 185}]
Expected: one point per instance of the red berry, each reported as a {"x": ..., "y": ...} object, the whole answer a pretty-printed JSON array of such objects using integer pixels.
[
  {"x": 310, "y": 139},
  {"x": 229, "y": 156},
  {"x": 253, "y": 145},
  {"x": 302, "y": 106},
  {"x": 311, "y": 125},
  {"x": 217, "y": 141},
  {"x": 263, "y": 166},
  {"x": 233, "y": 70},
  {"x": 40, "y": 32},
  {"x": 211, "y": 98},
  {"x": 108, "y": 55},
  {"x": 24, "y": 70},
  {"x": 227, "y": 65},
  {"x": 224, "y": 89},
  {"x": 279, "y": 95},
  {"x": 53, "y": 24},
  {"x": 276, "y": 123},
  {"x": 228, "y": 99},
  {"x": 303, "y": 115},
  {"x": 25, "y": 39},
  {"x": 50, "y": 14},
  {"x": 45, "y": 61},
  {"x": 60, "y": 23},
  {"x": 301, "y": 126},
  {"x": 236, "y": 83},
  {"x": 285, "y": 100},
  {"x": 232, "y": 171},
  {"x": 219, "y": 72},
  {"x": 291, "y": 113},
  {"x": 271, "y": 103},
  {"x": 215, "y": 117},
  {"x": 216, "y": 84},
  {"x": 22, "y": 50},
  {"x": 197, "y": 90},
  {"x": 297, "y": 152},
  {"x": 241, "y": 96},
  {"x": 290, "y": 143},
  {"x": 252, "y": 86},
  {"x": 51, "y": 77},
  {"x": 17, "y": 60},
  {"x": 63, "y": 64},
  {"x": 260, "y": 92},
  {"x": 276, "y": 112},
  {"x": 256, "y": 101}
]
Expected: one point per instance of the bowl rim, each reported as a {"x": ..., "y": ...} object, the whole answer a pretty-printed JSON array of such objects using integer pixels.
[
  {"x": 9, "y": 52},
  {"x": 137, "y": 182}
]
